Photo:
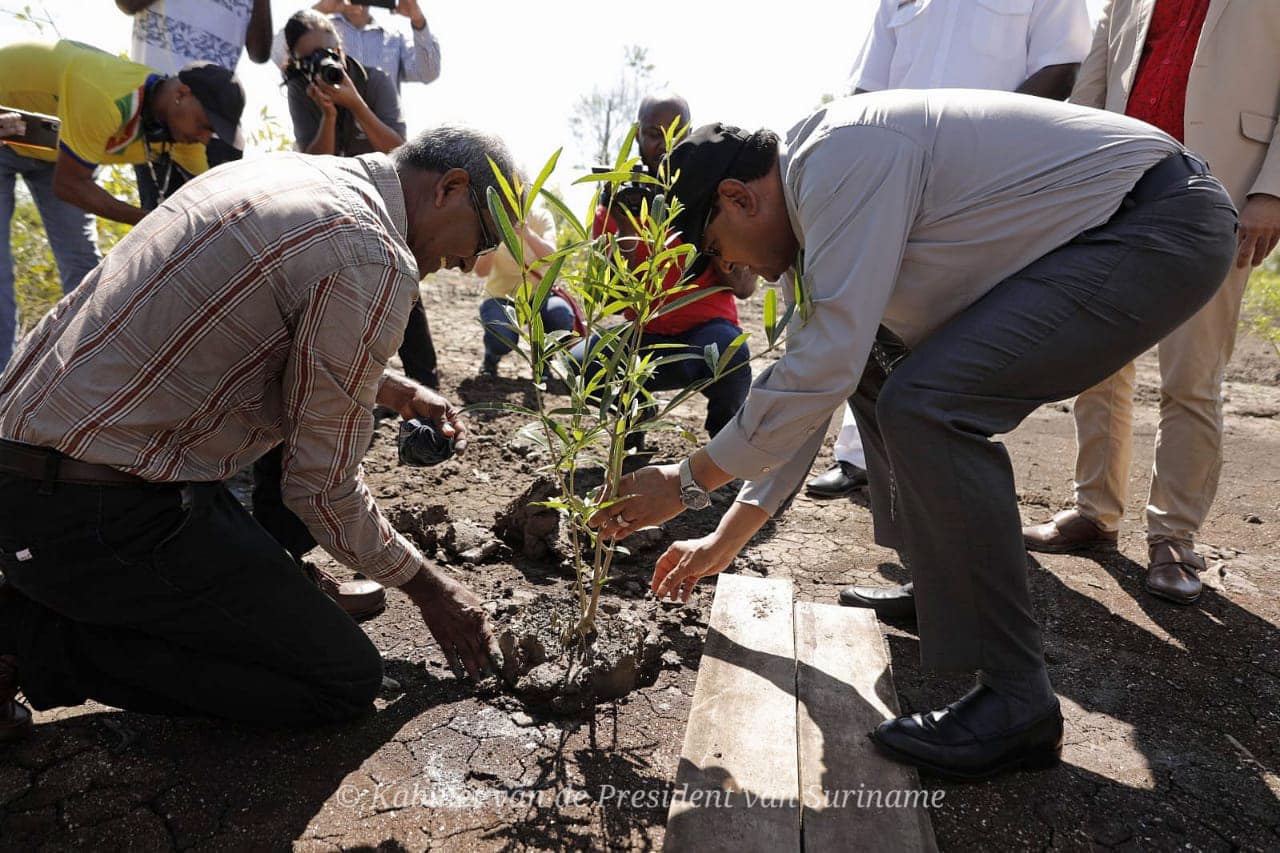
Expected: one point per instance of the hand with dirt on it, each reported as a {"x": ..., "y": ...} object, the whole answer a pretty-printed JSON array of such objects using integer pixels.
[
  {"x": 413, "y": 400},
  {"x": 457, "y": 621}
]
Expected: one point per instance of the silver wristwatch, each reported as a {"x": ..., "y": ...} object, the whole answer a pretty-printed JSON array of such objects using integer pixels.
[{"x": 692, "y": 495}]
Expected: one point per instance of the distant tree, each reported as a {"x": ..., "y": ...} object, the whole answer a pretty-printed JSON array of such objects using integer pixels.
[{"x": 601, "y": 118}]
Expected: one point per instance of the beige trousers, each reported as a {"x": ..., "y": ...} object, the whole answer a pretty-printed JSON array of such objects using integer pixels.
[{"x": 1188, "y": 453}]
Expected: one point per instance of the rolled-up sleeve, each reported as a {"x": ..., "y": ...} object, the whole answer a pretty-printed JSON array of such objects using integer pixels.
[
  {"x": 420, "y": 59},
  {"x": 348, "y": 329},
  {"x": 856, "y": 195}
]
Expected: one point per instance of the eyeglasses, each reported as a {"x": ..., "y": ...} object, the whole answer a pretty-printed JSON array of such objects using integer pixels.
[{"x": 488, "y": 240}]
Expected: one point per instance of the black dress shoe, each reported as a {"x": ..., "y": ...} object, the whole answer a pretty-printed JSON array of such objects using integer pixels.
[
  {"x": 969, "y": 740},
  {"x": 889, "y": 602},
  {"x": 842, "y": 478},
  {"x": 15, "y": 718}
]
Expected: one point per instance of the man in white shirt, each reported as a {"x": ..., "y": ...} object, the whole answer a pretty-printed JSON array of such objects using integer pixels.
[
  {"x": 170, "y": 34},
  {"x": 1029, "y": 46}
]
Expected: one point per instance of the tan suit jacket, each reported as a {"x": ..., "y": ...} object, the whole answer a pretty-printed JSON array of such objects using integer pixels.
[{"x": 1233, "y": 92}]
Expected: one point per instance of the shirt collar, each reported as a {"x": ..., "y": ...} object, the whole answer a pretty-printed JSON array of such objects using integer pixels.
[
  {"x": 383, "y": 173},
  {"x": 788, "y": 194}
]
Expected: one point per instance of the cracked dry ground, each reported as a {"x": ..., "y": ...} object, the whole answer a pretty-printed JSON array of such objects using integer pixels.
[{"x": 1173, "y": 732}]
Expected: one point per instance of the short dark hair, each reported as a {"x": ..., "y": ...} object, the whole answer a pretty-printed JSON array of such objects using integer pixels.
[
  {"x": 304, "y": 21},
  {"x": 756, "y": 157},
  {"x": 452, "y": 146}
]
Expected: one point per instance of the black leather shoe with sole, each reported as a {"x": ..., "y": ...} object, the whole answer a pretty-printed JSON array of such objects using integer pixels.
[
  {"x": 967, "y": 740},
  {"x": 889, "y": 602}
]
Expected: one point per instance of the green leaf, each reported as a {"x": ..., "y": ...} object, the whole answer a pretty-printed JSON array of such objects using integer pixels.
[
  {"x": 499, "y": 213},
  {"x": 711, "y": 355},
  {"x": 539, "y": 181},
  {"x": 771, "y": 315},
  {"x": 513, "y": 200},
  {"x": 727, "y": 355},
  {"x": 624, "y": 150},
  {"x": 568, "y": 215},
  {"x": 618, "y": 177},
  {"x": 687, "y": 299}
]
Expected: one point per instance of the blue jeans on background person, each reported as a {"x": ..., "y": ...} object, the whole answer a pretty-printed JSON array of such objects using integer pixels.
[
  {"x": 72, "y": 233},
  {"x": 501, "y": 337},
  {"x": 724, "y": 396}
]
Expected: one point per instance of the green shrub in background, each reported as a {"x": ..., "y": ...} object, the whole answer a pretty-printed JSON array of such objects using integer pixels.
[
  {"x": 1261, "y": 313},
  {"x": 36, "y": 282}
]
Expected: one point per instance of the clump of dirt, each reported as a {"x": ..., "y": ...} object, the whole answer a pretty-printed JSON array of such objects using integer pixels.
[
  {"x": 531, "y": 530},
  {"x": 552, "y": 676},
  {"x": 425, "y": 524}
]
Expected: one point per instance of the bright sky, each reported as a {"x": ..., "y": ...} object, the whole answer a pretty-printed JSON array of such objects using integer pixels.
[{"x": 518, "y": 68}]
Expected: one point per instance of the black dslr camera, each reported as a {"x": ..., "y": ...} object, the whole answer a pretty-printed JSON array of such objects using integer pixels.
[
  {"x": 631, "y": 195},
  {"x": 320, "y": 65}
]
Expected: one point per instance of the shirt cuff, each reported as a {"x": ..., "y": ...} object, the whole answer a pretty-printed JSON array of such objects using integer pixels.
[
  {"x": 733, "y": 453},
  {"x": 396, "y": 565}
]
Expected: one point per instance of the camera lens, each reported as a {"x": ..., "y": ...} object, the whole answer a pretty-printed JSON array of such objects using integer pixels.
[{"x": 330, "y": 72}]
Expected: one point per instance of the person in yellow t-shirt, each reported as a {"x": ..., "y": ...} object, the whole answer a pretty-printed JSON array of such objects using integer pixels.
[
  {"x": 504, "y": 277},
  {"x": 116, "y": 111},
  {"x": 111, "y": 110}
]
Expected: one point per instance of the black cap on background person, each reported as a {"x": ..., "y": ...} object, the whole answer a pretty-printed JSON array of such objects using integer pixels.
[{"x": 220, "y": 93}]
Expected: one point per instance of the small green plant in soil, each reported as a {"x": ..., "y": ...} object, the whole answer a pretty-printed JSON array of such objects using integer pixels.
[{"x": 618, "y": 280}]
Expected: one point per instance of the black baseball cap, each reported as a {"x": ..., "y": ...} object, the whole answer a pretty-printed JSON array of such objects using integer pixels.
[
  {"x": 700, "y": 163},
  {"x": 220, "y": 93}
]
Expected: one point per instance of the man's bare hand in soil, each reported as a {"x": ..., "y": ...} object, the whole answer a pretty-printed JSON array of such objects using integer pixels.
[
  {"x": 1259, "y": 229},
  {"x": 457, "y": 621},
  {"x": 414, "y": 400}
]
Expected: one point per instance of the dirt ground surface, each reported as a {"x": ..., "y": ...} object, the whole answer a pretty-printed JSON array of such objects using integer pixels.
[{"x": 1173, "y": 727}]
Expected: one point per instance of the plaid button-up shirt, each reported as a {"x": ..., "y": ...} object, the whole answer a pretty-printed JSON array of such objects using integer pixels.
[{"x": 259, "y": 304}]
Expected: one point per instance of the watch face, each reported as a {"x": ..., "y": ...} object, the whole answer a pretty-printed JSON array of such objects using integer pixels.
[{"x": 695, "y": 498}]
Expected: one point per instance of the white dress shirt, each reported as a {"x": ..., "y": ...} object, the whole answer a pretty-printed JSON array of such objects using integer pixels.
[{"x": 969, "y": 44}]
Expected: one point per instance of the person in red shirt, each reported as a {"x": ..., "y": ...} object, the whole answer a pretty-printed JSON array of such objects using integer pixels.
[
  {"x": 1207, "y": 73},
  {"x": 711, "y": 319}
]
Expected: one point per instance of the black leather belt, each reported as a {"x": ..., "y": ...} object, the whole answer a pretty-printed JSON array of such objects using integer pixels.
[
  {"x": 1170, "y": 171},
  {"x": 50, "y": 466}
]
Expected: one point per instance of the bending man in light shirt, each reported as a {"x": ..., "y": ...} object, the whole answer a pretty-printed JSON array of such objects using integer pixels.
[
  {"x": 259, "y": 311},
  {"x": 1031, "y": 46},
  {"x": 991, "y": 232}
]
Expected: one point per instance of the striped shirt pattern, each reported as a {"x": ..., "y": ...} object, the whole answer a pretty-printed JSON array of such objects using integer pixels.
[{"x": 258, "y": 305}]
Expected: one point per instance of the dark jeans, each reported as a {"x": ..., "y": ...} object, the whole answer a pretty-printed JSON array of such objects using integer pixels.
[
  {"x": 724, "y": 396},
  {"x": 171, "y": 600},
  {"x": 216, "y": 151},
  {"x": 942, "y": 490},
  {"x": 269, "y": 510}
]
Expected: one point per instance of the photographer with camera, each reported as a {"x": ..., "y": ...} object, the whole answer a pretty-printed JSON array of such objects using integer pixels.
[
  {"x": 404, "y": 59},
  {"x": 337, "y": 105},
  {"x": 711, "y": 319}
]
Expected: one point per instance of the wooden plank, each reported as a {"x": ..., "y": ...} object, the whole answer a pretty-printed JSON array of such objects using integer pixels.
[
  {"x": 844, "y": 689},
  {"x": 737, "y": 787}
]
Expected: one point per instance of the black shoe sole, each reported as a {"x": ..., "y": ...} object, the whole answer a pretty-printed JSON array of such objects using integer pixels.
[
  {"x": 1046, "y": 759},
  {"x": 898, "y": 612}
]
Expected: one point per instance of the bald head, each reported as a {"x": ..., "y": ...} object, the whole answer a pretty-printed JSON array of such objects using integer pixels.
[{"x": 656, "y": 114}]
